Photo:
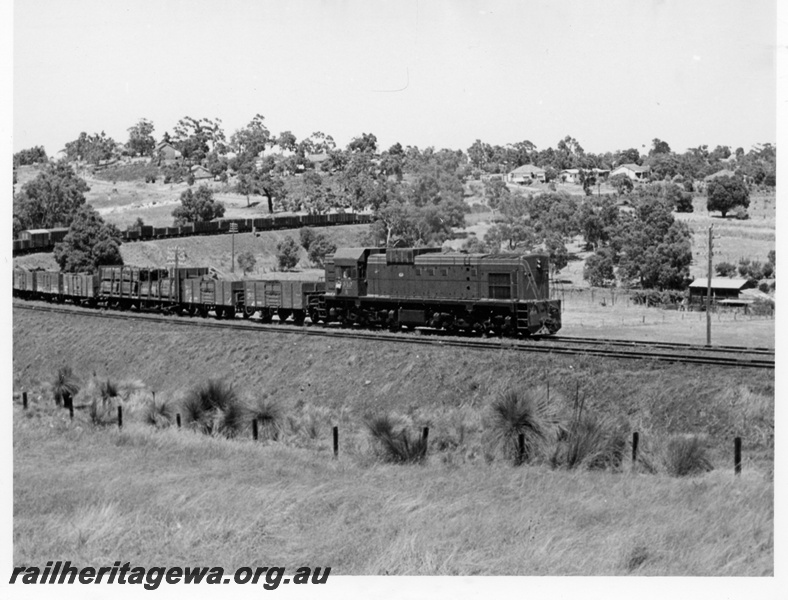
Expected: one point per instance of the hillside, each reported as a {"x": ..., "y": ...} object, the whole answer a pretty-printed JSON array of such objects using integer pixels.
[{"x": 91, "y": 492}]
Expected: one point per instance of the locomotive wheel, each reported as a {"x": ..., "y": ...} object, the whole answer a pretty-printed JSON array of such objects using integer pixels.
[{"x": 313, "y": 316}]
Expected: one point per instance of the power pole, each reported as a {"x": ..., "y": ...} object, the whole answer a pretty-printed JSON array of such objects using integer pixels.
[{"x": 708, "y": 293}]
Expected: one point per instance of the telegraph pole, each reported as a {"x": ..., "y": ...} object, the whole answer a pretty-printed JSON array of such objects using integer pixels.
[{"x": 708, "y": 294}]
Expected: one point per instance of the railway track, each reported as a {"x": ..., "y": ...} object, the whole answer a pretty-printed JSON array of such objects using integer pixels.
[{"x": 730, "y": 356}]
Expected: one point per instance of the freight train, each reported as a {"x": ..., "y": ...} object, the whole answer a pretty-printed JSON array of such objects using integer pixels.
[
  {"x": 499, "y": 294},
  {"x": 44, "y": 240}
]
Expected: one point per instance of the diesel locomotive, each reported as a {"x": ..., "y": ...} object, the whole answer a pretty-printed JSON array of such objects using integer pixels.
[{"x": 500, "y": 294}]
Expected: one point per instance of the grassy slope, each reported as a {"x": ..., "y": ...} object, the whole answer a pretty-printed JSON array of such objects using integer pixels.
[
  {"x": 179, "y": 498},
  {"x": 442, "y": 387},
  {"x": 214, "y": 251}
]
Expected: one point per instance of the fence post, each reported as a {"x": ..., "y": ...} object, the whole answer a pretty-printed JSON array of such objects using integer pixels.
[
  {"x": 336, "y": 440},
  {"x": 71, "y": 411},
  {"x": 520, "y": 448},
  {"x": 178, "y": 419},
  {"x": 254, "y": 429},
  {"x": 425, "y": 434},
  {"x": 24, "y": 400},
  {"x": 635, "y": 440},
  {"x": 737, "y": 455},
  {"x": 120, "y": 417}
]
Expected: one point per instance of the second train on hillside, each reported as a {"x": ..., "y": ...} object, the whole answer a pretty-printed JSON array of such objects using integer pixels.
[{"x": 499, "y": 294}]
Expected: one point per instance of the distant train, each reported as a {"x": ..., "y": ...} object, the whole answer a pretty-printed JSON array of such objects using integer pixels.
[
  {"x": 496, "y": 294},
  {"x": 44, "y": 240}
]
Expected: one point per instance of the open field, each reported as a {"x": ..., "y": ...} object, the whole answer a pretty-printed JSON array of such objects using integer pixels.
[
  {"x": 177, "y": 497},
  {"x": 733, "y": 239}
]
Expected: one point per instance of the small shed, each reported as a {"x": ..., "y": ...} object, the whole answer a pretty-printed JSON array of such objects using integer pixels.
[{"x": 722, "y": 289}]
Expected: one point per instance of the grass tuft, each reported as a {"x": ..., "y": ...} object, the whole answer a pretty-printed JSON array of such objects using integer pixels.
[
  {"x": 159, "y": 413},
  {"x": 396, "y": 445},
  {"x": 636, "y": 557},
  {"x": 214, "y": 408},
  {"x": 591, "y": 442},
  {"x": 269, "y": 415},
  {"x": 526, "y": 414},
  {"x": 686, "y": 455},
  {"x": 64, "y": 386}
]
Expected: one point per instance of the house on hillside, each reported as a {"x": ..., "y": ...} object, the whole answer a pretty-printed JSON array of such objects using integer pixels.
[
  {"x": 317, "y": 159},
  {"x": 166, "y": 154},
  {"x": 525, "y": 174},
  {"x": 200, "y": 172},
  {"x": 633, "y": 171},
  {"x": 570, "y": 175},
  {"x": 721, "y": 173},
  {"x": 723, "y": 290}
]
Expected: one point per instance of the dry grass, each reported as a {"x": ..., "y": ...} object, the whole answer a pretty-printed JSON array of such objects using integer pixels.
[
  {"x": 321, "y": 382},
  {"x": 176, "y": 497}
]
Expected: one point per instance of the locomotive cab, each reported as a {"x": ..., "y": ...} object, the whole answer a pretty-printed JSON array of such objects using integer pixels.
[{"x": 346, "y": 272}]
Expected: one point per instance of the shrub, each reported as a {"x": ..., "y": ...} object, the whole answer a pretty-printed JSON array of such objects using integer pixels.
[
  {"x": 591, "y": 442},
  {"x": 158, "y": 413},
  {"x": 101, "y": 412},
  {"x": 287, "y": 253},
  {"x": 515, "y": 414},
  {"x": 307, "y": 235},
  {"x": 319, "y": 248},
  {"x": 686, "y": 456},
  {"x": 764, "y": 287},
  {"x": 246, "y": 261},
  {"x": 64, "y": 386},
  {"x": 740, "y": 213},
  {"x": 684, "y": 202},
  {"x": 214, "y": 408},
  {"x": 725, "y": 269},
  {"x": 269, "y": 416},
  {"x": 396, "y": 446}
]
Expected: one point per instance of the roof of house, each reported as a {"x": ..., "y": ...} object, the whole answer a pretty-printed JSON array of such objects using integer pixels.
[
  {"x": 317, "y": 158},
  {"x": 634, "y": 167},
  {"x": 721, "y": 173},
  {"x": 719, "y": 283},
  {"x": 526, "y": 169}
]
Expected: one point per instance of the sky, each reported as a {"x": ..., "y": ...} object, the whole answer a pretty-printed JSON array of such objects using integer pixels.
[{"x": 613, "y": 75}]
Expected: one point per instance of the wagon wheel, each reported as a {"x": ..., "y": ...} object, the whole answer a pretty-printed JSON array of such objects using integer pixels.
[
  {"x": 229, "y": 313},
  {"x": 298, "y": 317},
  {"x": 266, "y": 315},
  {"x": 248, "y": 311},
  {"x": 203, "y": 311},
  {"x": 282, "y": 314},
  {"x": 219, "y": 312}
]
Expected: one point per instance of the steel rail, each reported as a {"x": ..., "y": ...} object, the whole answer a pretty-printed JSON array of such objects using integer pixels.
[
  {"x": 657, "y": 344},
  {"x": 487, "y": 345}
]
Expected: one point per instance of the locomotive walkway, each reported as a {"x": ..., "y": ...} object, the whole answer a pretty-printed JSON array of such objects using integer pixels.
[{"x": 728, "y": 356}]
